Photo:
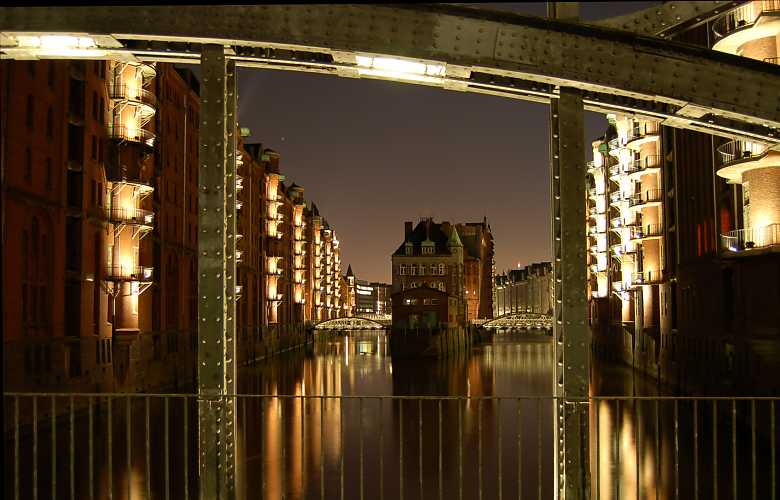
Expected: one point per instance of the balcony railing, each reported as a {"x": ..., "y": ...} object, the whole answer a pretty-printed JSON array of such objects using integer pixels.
[
  {"x": 743, "y": 17},
  {"x": 640, "y": 164},
  {"x": 772, "y": 60},
  {"x": 738, "y": 151},
  {"x": 615, "y": 197},
  {"x": 129, "y": 273},
  {"x": 647, "y": 278},
  {"x": 592, "y": 166},
  {"x": 644, "y": 130},
  {"x": 649, "y": 196},
  {"x": 135, "y": 216},
  {"x": 616, "y": 222},
  {"x": 140, "y": 135},
  {"x": 743, "y": 240},
  {"x": 647, "y": 231},
  {"x": 133, "y": 95},
  {"x": 615, "y": 171}
]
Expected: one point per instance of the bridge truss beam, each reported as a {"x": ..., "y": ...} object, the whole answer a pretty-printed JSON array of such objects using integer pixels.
[{"x": 698, "y": 89}]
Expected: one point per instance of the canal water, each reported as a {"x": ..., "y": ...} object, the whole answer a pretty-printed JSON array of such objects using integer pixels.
[{"x": 324, "y": 425}]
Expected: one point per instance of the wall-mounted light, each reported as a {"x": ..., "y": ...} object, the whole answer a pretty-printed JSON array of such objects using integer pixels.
[{"x": 387, "y": 67}]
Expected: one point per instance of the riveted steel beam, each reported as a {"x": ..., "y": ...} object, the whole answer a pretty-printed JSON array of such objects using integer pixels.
[
  {"x": 554, "y": 52},
  {"x": 668, "y": 18},
  {"x": 571, "y": 332},
  {"x": 216, "y": 275}
]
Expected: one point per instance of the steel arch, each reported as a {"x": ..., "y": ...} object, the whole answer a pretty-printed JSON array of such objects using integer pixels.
[
  {"x": 490, "y": 52},
  {"x": 349, "y": 323}
]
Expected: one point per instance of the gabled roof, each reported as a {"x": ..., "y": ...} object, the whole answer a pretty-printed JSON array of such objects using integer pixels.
[
  {"x": 349, "y": 271},
  {"x": 430, "y": 230}
]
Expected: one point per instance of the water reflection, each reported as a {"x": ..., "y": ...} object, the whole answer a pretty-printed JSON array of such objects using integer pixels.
[
  {"x": 317, "y": 438},
  {"x": 300, "y": 448}
]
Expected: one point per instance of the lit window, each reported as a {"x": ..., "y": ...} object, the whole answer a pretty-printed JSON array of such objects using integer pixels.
[
  {"x": 413, "y": 270},
  {"x": 402, "y": 271},
  {"x": 441, "y": 269},
  {"x": 422, "y": 269}
]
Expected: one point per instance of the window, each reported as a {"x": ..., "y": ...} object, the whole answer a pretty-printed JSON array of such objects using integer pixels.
[
  {"x": 441, "y": 269},
  {"x": 29, "y": 111},
  {"x": 49, "y": 124},
  {"x": 28, "y": 164},
  {"x": 426, "y": 302},
  {"x": 50, "y": 75},
  {"x": 100, "y": 194},
  {"x": 434, "y": 302},
  {"x": 422, "y": 269},
  {"x": 48, "y": 173},
  {"x": 102, "y": 71},
  {"x": 100, "y": 151},
  {"x": 93, "y": 197},
  {"x": 94, "y": 147},
  {"x": 94, "y": 104},
  {"x": 31, "y": 69},
  {"x": 101, "y": 113},
  {"x": 413, "y": 270}
]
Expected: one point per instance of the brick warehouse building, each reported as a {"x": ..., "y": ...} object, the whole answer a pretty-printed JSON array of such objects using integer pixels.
[
  {"x": 99, "y": 207},
  {"x": 438, "y": 256}
]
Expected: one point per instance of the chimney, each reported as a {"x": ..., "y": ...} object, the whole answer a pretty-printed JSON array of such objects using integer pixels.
[{"x": 407, "y": 229}]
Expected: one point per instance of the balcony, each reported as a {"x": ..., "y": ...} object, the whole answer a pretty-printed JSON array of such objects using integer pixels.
[
  {"x": 750, "y": 240},
  {"x": 649, "y": 196},
  {"x": 143, "y": 100},
  {"x": 129, "y": 273},
  {"x": 615, "y": 171},
  {"x": 743, "y": 17},
  {"x": 616, "y": 198},
  {"x": 643, "y": 133},
  {"x": 648, "y": 231},
  {"x": 593, "y": 211},
  {"x": 739, "y": 151},
  {"x": 647, "y": 278},
  {"x": 133, "y": 216},
  {"x": 137, "y": 135},
  {"x": 592, "y": 193},
  {"x": 644, "y": 165},
  {"x": 616, "y": 223},
  {"x": 592, "y": 167}
]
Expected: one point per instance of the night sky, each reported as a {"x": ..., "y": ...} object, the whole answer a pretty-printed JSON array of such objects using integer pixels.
[{"x": 372, "y": 154}]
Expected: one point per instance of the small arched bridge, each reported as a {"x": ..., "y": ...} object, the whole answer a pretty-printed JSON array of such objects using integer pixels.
[
  {"x": 520, "y": 321},
  {"x": 364, "y": 322}
]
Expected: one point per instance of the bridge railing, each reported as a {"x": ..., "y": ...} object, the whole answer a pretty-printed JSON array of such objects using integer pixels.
[{"x": 295, "y": 446}]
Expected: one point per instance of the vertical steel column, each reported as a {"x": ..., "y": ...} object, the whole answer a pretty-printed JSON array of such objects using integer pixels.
[
  {"x": 570, "y": 327},
  {"x": 216, "y": 274}
]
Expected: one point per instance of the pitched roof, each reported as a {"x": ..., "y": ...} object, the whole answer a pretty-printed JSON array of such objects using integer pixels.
[
  {"x": 426, "y": 229},
  {"x": 349, "y": 271}
]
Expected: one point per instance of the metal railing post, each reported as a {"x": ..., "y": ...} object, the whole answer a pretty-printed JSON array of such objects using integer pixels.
[
  {"x": 570, "y": 328},
  {"x": 216, "y": 274}
]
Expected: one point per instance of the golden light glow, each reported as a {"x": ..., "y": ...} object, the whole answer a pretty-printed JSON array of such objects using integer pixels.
[
  {"x": 61, "y": 46},
  {"x": 386, "y": 67}
]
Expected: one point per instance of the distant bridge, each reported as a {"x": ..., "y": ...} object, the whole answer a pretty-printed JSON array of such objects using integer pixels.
[
  {"x": 362, "y": 322},
  {"x": 520, "y": 321}
]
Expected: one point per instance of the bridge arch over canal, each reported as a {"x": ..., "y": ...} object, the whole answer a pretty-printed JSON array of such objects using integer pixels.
[
  {"x": 520, "y": 321},
  {"x": 352, "y": 323}
]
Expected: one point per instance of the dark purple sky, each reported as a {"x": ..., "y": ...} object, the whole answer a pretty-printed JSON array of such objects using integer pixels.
[{"x": 372, "y": 154}]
